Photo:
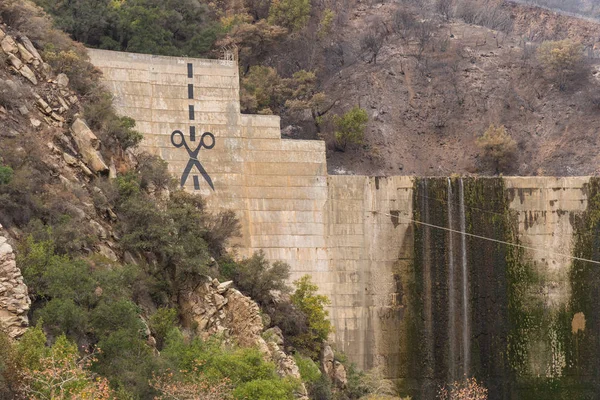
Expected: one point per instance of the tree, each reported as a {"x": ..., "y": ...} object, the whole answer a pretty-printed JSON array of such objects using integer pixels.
[
  {"x": 372, "y": 42},
  {"x": 350, "y": 127},
  {"x": 292, "y": 14},
  {"x": 497, "y": 146},
  {"x": 562, "y": 59},
  {"x": 306, "y": 299},
  {"x": 445, "y": 8}
]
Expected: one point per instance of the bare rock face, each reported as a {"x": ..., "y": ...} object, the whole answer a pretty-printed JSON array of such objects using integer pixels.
[
  {"x": 332, "y": 368},
  {"x": 219, "y": 309},
  {"x": 14, "y": 298},
  {"x": 88, "y": 144}
]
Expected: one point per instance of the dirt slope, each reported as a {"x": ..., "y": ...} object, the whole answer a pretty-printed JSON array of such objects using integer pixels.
[{"x": 426, "y": 112}]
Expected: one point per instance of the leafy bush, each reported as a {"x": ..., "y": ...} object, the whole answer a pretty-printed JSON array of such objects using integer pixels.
[
  {"x": 498, "y": 147},
  {"x": 350, "y": 127},
  {"x": 256, "y": 277},
  {"x": 266, "y": 389},
  {"x": 6, "y": 174},
  {"x": 162, "y": 322},
  {"x": 562, "y": 59},
  {"x": 10, "y": 376},
  {"x": 83, "y": 77},
  {"x": 101, "y": 115},
  {"x": 210, "y": 362},
  {"x": 288, "y": 318},
  {"x": 467, "y": 389},
  {"x": 306, "y": 299},
  {"x": 127, "y": 362},
  {"x": 57, "y": 372},
  {"x": 309, "y": 370},
  {"x": 292, "y": 14}
]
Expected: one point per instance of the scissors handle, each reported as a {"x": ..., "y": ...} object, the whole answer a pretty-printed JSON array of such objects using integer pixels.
[
  {"x": 212, "y": 140},
  {"x": 181, "y": 141}
]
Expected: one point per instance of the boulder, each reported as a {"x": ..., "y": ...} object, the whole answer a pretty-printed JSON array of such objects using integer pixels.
[
  {"x": 327, "y": 359},
  {"x": 88, "y": 144},
  {"x": 9, "y": 45},
  {"x": 339, "y": 375},
  {"x": 15, "y": 61},
  {"x": 62, "y": 80},
  {"x": 26, "y": 56},
  {"x": 30, "y": 47},
  {"x": 223, "y": 287},
  {"x": 28, "y": 74}
]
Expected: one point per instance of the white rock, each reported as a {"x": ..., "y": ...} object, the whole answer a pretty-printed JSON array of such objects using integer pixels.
[
  {"x": 9, "y": 45},
  {"x": 87, "y": 143},
  {"x": 62, "y": 80},
  {"x": 30, "y": 47},
  {"x": 223, "y": 287},
  {"x": 25, "y": 54},
  {"x": 15, "y": 61},
  {"x": 28, "y": 73}
]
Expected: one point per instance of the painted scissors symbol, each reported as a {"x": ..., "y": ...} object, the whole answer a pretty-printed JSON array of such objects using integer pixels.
[{"x": 207, "y": 141}]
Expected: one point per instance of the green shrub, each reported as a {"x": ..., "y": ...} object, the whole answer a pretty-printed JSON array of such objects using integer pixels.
[
  {"x": 162, "y": 322},
  {"x": 309, "y": 370},
  {"x": 292, "y": 14},
  {"x": 10, "y": 376},
  {"x": 266, "y": 389},
  {"x": 6, "y": 174},
  {"x": 562, "y": 59},
  {"x": 256, "y": 277},
  {"x": 101, "y": 116},
  {"x": 128, "y": 363},
  {"x": 498, "y": 147},
  {"x": 306, "y": 299},
  {"x": 63, "y": 316},
  {"x": 117, "y": 316},
  {"x": 350, "y": 127}
]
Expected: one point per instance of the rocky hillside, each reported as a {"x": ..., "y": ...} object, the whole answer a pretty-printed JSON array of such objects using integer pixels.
[
  {"x": 433, "y": 75},
  {"x": 427, "y": 112},
  {"x": 109, "y": 274}
]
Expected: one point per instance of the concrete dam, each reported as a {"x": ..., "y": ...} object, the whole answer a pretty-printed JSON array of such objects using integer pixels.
[{"x": 432, "y": 279}]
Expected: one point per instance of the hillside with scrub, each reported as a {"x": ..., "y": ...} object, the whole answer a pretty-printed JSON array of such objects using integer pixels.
[
  {"x": 429, "y": 77},
  {"x": 114, "y": 283}
]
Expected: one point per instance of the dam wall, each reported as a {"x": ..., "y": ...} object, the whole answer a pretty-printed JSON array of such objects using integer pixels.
[{"x": 415, "y": 285}]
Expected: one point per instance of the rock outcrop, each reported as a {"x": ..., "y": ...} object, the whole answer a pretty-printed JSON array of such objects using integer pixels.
[
  {"x": 14, "y": 299},
  {"x": 215, "y": 308},
  {"x": 88, "y": 145},
  {"x": 334, "y": 369}
]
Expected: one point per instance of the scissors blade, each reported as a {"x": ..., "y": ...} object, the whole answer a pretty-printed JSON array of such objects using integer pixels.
[
  {"x": 204, "y": 174},
  {"x": 186, "y": 172}
]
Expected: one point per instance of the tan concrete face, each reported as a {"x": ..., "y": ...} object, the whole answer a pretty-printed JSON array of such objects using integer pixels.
[{"x": 352, "y": 234}]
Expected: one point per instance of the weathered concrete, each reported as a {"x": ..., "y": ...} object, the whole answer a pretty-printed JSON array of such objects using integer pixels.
[{"x": 353, "y": 234}]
